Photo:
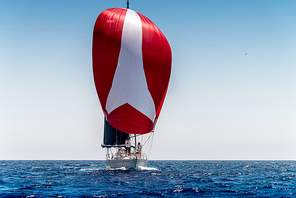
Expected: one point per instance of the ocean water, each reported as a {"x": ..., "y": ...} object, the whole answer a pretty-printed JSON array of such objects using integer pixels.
[{"x": 159, "y": 179}]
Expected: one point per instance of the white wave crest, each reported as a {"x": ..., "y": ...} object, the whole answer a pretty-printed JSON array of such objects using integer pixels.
[
  {"x": 121, "y": 169},
  {"x": 146, "y": 168},
  {"x": 90, "y": 169}
]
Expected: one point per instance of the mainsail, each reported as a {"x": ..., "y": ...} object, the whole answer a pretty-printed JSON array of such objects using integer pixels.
[
  {"x": 112, "y": 136},
  {"x": 131, "y": 66}
]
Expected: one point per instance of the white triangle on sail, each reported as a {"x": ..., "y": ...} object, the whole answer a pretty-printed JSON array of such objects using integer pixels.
[{"x": 129, "y": 83}]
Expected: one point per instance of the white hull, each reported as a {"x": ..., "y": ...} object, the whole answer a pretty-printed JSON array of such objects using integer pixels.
[{"x": 126, "y": 163}]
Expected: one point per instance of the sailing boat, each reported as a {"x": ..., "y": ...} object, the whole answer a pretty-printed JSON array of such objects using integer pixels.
[{"x": 131, "y": 67}]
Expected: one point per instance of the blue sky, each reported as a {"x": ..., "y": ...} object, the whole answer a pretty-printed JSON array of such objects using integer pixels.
[{"x": 221, "y": 104}]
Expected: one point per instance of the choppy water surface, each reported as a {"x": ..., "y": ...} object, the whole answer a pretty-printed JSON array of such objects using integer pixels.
[{"x": 160, "y": 179}]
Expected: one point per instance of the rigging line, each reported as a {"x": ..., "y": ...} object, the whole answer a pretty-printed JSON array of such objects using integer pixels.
[
  {"x": 116, "y": 137},
  {"x": 141, "y": 134},
  {"x": 146, "y": 148},
  {"x": 142, "y": 139},
  {"x": 151, "y": 146},
  {"x": 148, "y": 138}
]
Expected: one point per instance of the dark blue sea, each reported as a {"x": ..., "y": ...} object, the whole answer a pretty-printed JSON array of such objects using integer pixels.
[{"x": 159, "y": 179}]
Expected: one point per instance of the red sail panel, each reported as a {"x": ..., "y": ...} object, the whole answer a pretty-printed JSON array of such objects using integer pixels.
[
  {"x": 106, "y": 48},
  {"x": 131, "y": 65},
  {"x": 157, "y": 58},
  {"x": 130, "y": 120}
]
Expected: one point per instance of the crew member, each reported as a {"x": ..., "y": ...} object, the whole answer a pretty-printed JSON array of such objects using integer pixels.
[
  {"x": 128, "y": 146},
  {"x": 139, "y": 149}
]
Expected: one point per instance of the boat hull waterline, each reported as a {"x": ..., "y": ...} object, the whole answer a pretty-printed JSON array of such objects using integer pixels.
[{"x": 126, "y": 163}]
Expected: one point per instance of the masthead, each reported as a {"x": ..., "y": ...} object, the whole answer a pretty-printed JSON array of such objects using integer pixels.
[{"x": 127, "y": 4}]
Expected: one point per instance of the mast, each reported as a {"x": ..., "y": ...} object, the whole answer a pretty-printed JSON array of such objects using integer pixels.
[
  {"x": 135, "y": 142},
  {"x": 127, "y": 4}
]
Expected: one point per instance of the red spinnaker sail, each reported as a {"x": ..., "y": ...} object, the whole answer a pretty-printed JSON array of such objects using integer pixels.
[{"x": 131, "y": 66}]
